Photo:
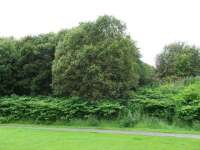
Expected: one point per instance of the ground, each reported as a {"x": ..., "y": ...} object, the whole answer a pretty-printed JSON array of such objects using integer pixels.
[{"x": 13, "y": 138}]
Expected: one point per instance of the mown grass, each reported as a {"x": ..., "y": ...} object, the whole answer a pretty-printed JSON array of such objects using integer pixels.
[{"x": 31, "y": 139}]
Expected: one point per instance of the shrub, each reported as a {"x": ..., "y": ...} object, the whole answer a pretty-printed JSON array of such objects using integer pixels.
[
  {"x": 46, "y": 109},
  {"x": 189, "y": 113},
  {"x": 154, "y": 108}
]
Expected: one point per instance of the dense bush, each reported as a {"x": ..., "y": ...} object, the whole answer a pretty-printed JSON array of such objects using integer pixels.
[
  {"x": 178, "y": 100},
  {"x": 47, "y": 109},
  {"x": 96, "y": 60},
  {"x": 153, "y": 108},
  {"x": 171, "y": 102},
  {"x": 189, "y": 113}
]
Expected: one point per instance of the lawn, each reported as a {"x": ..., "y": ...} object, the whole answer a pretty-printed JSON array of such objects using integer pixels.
[{"x": 31, "y": 139}]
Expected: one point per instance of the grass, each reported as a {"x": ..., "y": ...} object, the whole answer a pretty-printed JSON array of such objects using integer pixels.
[
  {"x": 30, "y": 139},
  {"x": 144, "y": 125},
  {"x": 147, "y": 124}
]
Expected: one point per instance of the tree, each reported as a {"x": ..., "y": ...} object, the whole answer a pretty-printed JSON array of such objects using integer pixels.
[
  {"x": 8, "y": 58},
  {"x": 96, "y": 60},
  {"x": 180, "y": 60},
  {"x": 34, "y": 75}
]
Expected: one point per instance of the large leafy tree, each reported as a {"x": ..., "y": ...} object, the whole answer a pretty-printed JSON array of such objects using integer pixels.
[
  {"x": 8, "y": 59},
  {"x": 179, "y": 60},
  {"x": 34, "y": 65},
  {"x": 96, "y": 60}
]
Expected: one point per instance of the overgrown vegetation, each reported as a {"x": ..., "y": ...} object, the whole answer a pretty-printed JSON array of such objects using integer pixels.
[
  {"x": 94, "y": 60},
  {"x": 93, "y": 72},
  {"x": 48, "y": 109},
  {"x": 176, "y": 103}
]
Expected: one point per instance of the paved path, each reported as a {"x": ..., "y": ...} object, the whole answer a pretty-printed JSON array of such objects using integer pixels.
[{"x": 145, "y": 133}]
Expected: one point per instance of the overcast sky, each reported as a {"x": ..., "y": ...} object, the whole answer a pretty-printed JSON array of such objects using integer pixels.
[{"x": 151, "y": 23}]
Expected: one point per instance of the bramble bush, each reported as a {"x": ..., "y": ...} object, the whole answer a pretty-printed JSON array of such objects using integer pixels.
[
  {"x": 174, "y": 101},
  {"x": 179, "y": 101},
  {"x": 189, "y": 113},
  {"x": 48, "y": 109}
]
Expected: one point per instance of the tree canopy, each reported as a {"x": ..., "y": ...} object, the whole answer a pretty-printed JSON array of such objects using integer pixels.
[
  {"x": 8, "y": 59},
  {"x": 34, "y": 65},
  {"x": 178, "y": 59},
  {"x": 96, "y": 60}
]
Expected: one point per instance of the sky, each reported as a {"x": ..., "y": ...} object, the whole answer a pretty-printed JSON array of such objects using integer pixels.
[{"x": 151, "y": 23}]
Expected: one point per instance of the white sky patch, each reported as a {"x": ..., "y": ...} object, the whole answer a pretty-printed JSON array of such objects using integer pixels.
[{"x": 151, "y": 23}]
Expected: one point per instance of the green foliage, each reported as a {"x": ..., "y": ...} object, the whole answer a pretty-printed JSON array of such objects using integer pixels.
[
  {"x": 34, "y": 65},
  {"x": 147, "y": 74},
  {"x": 190, "y": 102},
  {"x": 92, "y": 121},
  {"x": 158, "y": 109},
  {"x": 4, "y": 120},
  {"x": 25, "y": 65},
  {"x": 170, "y": 101},
  {"x": 96, "y": 60},
  {"x": 178, "y": 60},
  {"x": 8, "y": 59},
  {"x": 189, "y": 113},
  {"x": 48, "y": 109},
  {"x": 128, "y": 120}
]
